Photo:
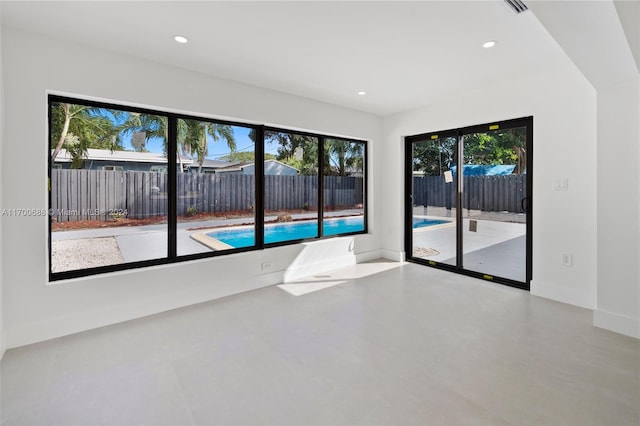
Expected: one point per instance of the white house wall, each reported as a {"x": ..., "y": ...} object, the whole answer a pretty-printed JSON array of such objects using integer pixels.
[
  {"x": 33, "y": 65},
  {"x": 2, "y": 334},
  {"x": 600, "y": 41},
  {"x": 618, "y": 213},
  {"x": 563, "y": 106}
]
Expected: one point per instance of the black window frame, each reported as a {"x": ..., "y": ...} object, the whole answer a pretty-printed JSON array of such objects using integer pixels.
[
  {"x": 172, "y": 256},
  {"x": 521, "y": 122}
]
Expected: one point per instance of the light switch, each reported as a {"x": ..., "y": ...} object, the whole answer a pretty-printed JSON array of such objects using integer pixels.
[{"x": 567, "y": 259}]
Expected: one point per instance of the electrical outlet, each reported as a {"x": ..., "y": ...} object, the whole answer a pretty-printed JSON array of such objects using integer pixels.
[
  {"x": 561, "y": 184},
  {"x": 567, "y": 259}
]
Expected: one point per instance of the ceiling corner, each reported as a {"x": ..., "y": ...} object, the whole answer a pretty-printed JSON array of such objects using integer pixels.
[{"x": 594, "y": 37}]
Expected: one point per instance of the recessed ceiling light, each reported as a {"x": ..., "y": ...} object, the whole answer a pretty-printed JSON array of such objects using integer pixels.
[
  {"x": 489, "y": 44},
  {"x": 362, "y": 93},
  {"x": 180, "y": 39}
]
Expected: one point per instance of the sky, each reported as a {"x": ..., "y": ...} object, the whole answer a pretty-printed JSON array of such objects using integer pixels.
[{"x": 217, "y": 149}]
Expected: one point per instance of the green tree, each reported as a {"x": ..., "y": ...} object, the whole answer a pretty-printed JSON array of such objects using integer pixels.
[
  {"x": 434, "y": 157},
  {"x": 77, "y": 128},
  {"x": 244, "y": 157},
  {"x": 192, "y": 135},
  {"x": 153, "y": 127},
  {"x": 299, "y": 151},
  {"x": 343, "y": 157},
  {"x": 497, "y": 147},
  {"x": 194, "y": 138}
]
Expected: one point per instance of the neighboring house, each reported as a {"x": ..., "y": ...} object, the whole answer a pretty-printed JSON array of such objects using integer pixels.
[
  {"x": 215, "y": 166},
  {"x": 271, "y": 167},
  {"x": 104, "y": 159}
]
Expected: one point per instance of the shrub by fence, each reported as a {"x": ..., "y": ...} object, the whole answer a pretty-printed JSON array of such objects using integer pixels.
[
  {"x": 485, "y": 193},
  {"x": 101, "y": 194}
]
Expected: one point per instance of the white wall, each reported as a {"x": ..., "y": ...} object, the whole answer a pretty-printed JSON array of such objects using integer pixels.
[
  {"x": 611, "y": 31},
  {"x": 32, "y": 66},
  {"x": 2, "y": 334},
  {"x": 618, "y": 209},
  {"x": 563, "y": 105},
  {"x": 629, "y": 14},
  {"x": 619, "y": 185}
]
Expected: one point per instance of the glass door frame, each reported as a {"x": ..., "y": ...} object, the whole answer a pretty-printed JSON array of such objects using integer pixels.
[{"x": 526, "y": 122}]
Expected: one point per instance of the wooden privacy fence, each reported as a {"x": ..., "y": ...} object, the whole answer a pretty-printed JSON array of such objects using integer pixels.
[
  {"x": 485, "y": 193},
  {"x": 104, "y": 194}
]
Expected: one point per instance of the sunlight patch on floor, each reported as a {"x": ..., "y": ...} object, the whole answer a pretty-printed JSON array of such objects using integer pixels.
[
  {"x": 300, "y": 288},
  {"x": 335, "y": 277}
]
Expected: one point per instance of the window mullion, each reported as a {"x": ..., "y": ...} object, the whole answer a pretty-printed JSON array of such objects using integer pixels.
[
  {"x": 172, "y": 170},
  {"x": 259, "y": 187},
  {"x": 320, "y": 186}
]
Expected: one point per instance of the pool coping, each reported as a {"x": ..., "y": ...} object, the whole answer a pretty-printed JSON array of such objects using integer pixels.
[
  {"x": 436, "y": 226},
  {"x": 203, "y": 238},
  {"x": 212, "y": 243}
]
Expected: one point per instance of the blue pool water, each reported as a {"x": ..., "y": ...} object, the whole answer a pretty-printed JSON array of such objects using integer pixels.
[
  {"x": 421, "y": 223},
  {"x": 245, "y": 237}
]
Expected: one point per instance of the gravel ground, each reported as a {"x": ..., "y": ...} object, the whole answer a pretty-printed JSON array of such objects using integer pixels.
[
  {"x": 67, "y": 255},
  {"x": 424, "y": 252}
]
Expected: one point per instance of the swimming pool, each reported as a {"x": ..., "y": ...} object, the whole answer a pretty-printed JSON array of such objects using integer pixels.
[
  {"x": 245, "y": 237},
  {"x": 422, "y": 222}
]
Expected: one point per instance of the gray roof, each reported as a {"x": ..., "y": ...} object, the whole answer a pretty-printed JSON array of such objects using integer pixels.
[
  {"x": 126, "y": 156},
  {"x": 215, "y": 164},
  {"x": 273, "y": 163}
]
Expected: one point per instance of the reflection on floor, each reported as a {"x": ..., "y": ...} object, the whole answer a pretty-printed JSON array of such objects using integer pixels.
[{"x": 401, "y": 345}]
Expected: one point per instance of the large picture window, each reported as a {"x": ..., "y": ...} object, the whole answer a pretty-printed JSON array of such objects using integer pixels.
[
  {"x": 291, "y": 170},
  {"x": 133, "y": 187},
  {"x": 343, "y": 187}
]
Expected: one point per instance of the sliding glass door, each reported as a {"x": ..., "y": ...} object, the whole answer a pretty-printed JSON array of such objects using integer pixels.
[
  {"x": 494, "y": 203},
  {"x": 468, "y": 200},
  {"x": 433, "y": 199}
]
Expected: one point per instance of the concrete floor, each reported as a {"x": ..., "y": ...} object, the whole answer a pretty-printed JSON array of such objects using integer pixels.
[{"x": 377, "y": 343}]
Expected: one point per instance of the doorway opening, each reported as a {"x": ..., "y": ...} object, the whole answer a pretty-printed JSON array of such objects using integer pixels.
[{"x": 468, "y": 200}]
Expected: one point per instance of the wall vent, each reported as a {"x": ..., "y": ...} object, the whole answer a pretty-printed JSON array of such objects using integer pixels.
[{"x": 516, "y": 5}]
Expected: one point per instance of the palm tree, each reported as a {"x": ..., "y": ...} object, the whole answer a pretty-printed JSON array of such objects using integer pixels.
[
  {"x": 153, "y": 126},
  {"x": 79, "y": 127},
  {"x": 193, "y": 139},
  {"x": 343, "y": 156},
  {"x": 192, "y": 134}
]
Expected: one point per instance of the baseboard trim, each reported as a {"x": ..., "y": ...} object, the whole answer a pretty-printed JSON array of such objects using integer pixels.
[
  {"x": 560, "y": 294},
  {"x": 396, "y": 255},
  {"x": 3, "y": 346},
  {"x": 617, "y": 323},
  {"x": 368, "y": 256},
  {"x": 39, "y": 331}
]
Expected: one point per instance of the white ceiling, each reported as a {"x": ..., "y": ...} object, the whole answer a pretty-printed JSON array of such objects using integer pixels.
[
  {"x": 403, "y": 54},
  {"x": 602, "y": 38}
]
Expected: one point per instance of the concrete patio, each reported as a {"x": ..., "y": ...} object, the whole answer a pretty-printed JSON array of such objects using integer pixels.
[
  {"x": 138, "y": 243},
  {"x": 496, "y": 248}
]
